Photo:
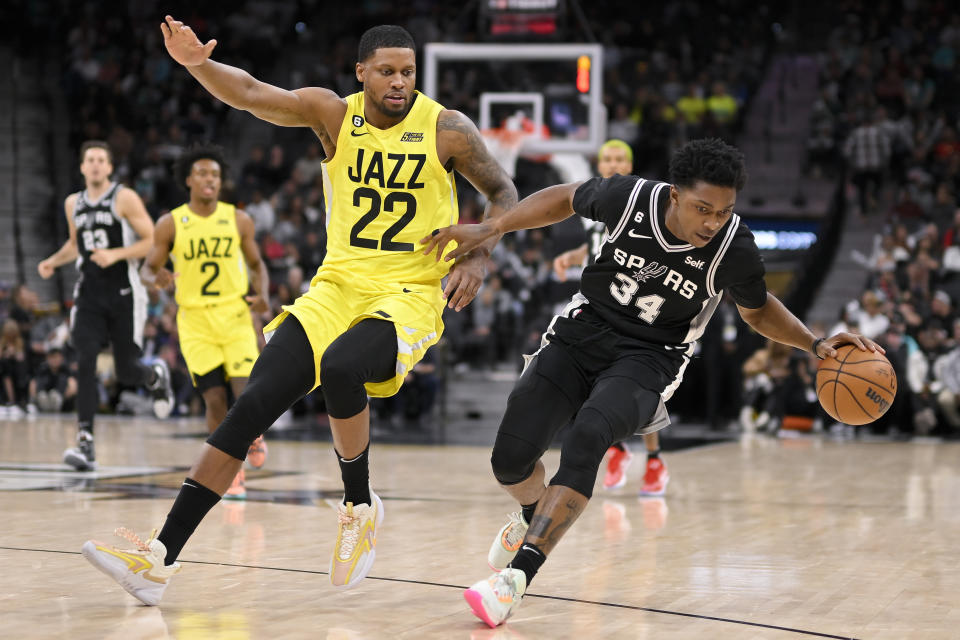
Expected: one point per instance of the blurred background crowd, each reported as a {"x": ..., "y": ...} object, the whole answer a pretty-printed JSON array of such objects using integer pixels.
[{"x": 886, "y": 117}]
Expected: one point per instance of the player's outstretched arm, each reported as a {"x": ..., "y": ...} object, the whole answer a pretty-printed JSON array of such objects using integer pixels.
[
  {"x": 773, "y": 320},
  {"x": 460, "y": 143},
  {"x": 540, "y": 209},
  {"x": 461, "y": 148},
  {"x": 308, "y": 107}
]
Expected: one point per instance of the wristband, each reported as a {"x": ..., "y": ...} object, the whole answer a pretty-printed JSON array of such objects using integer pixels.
[{"x": 813, "y": 349}]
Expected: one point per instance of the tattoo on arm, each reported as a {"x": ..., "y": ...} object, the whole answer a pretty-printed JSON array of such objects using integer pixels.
[{"x": 472, "y": 159}]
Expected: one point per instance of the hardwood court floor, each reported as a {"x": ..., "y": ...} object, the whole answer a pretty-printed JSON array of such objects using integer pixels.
[{"x": 760, "y": 538}]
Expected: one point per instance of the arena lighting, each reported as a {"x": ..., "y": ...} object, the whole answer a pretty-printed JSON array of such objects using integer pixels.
[
  {"x": 583, "y": 74},
  {"x": 784, "y": 240}
]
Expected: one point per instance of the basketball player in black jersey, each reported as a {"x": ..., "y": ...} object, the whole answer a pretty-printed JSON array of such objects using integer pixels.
[
  {"x": 615, "y": 156},
  {"x": 619, "y": 349},
  {"x": 110, "y": 230}
]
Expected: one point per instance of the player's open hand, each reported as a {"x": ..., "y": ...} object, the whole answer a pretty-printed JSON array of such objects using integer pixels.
[
  {"x": 258, "y": 304},
  {"x": 827, "y": 348},
  {"x": 467, "y": 237},
  {"x": 104, "y": 257},
  {"x": 464, "y": 281},
  {"x": 183, "y": 45}
]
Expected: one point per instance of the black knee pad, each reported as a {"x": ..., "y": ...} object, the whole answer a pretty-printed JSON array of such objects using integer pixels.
[
  {"x": 282, "y": 374},
  {"x": 247, "y": 420},
  {"x": 583, "y": 447},
  {"x": 624, "y": 405},
  {"x": 513, "y": 459},
  {"x": 341, "y": 382}
]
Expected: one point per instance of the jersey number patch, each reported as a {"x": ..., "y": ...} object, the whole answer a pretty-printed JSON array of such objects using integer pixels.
[
  {"x": 386, "y": 242},
  {"x": 205, "y": 289},
  {"x": 623, "y": 293},
  {"x": 95, "y": 239}
]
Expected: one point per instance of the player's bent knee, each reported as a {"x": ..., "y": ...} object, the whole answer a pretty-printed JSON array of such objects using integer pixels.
[
  {"x": 341, "y": 382},
  {"x": 584, "y": 445},
  {"x": 513, "y": 459}
]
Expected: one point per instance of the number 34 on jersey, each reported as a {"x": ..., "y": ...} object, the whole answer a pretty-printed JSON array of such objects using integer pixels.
[{"x": 626, "y": 287}]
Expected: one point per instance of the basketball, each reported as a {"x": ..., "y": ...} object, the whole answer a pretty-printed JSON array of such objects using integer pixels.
[{"x": 857, "y": 386}]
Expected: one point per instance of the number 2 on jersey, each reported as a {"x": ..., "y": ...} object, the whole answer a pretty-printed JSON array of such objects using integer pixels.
[
  {"x": 649, "y": 305},
  {"x": 205, "y": 289}
]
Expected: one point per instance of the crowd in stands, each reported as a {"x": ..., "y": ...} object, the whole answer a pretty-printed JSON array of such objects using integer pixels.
[
  {"x": 120, "y": 85},
  {"x": 888, "y": 111}
]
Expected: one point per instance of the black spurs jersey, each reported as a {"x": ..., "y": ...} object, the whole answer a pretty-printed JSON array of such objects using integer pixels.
[
  {"x": 100, "y": 226},
  {"x": 648, "y": 284}
]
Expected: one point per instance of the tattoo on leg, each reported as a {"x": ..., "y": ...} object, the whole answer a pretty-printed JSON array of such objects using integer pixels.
[
  {"x": 539, "y": 525},
  {"x": 547, "y": 531}
]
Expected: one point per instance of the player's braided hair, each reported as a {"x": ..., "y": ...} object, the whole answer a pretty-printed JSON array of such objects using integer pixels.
[
  {"x": 384, "y": 36},
  {"x": 200, "y": 152},
  {"x": 710, "y": 160}
]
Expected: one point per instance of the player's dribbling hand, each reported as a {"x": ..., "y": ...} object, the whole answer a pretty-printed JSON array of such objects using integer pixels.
[
  {"x": 103, "y": 257},
  {"x": 183, "y": 45},
  {"x": 465, "y": 280},
  {"x": 258, "y": 304},
  {"x": 467, "y": 237},
  {"x": 45, "y": 269},
  {"x": 827, "y": 348}
]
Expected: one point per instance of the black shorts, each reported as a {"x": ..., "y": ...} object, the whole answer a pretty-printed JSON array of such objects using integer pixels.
[
  {"x": 596, "y": 351},
  {"x": 108, "y": 317}
]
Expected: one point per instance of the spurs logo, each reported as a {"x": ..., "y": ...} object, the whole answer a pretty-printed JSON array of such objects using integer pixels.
[{"x": 649, "y": 270}]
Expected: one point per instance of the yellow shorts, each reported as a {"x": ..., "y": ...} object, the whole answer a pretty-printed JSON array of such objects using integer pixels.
[
  {"x": 215, "y": 336},
  {"x": 330, "y": 308}
]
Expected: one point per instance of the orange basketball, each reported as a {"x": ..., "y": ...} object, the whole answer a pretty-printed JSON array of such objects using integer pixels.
[{"x": 857, "y": 386}]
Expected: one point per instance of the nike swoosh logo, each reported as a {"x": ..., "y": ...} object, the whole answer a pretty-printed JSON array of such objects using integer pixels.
[
  {"x": 124, "y": 292},
  {"x": 135, "y": 563},
  {"x": 357, "y": 135},
  {"x": 638, "y": 235},
  {"x": 405, "y": 290}
]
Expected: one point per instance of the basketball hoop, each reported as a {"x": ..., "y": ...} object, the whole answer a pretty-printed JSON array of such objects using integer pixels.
[{"x": 504, "y": 144}]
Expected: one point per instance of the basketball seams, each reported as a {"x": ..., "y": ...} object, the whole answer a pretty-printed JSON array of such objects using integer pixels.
[
  {"x": 869, "y": 414},
  {"x": 859, "y": 377}
]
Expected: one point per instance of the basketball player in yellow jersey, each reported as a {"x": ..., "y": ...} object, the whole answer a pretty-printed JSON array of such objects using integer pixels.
[
  {"x": 375, "y": 305},
  {"x": 211, "y": 244}
]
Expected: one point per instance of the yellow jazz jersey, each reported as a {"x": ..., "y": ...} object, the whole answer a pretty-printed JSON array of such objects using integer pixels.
[
  {"x": 208, "y": 256},
  {"x": 385, "y": 189}
]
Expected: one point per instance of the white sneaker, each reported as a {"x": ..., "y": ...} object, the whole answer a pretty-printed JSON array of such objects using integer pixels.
[
  {"x": 494, "y": 599},
  {"x": 140, "y": 571},
  {"x": 83, "y": 456},
  {"x": 355, "y": 550},
  {"x": 507, "y": 542},
  {"x": 14, "y": 412},
  {"x": 162, "y": 391}
]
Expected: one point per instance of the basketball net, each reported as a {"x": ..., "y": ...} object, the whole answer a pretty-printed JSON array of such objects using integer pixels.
[{"x": 506, "y": 142}]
